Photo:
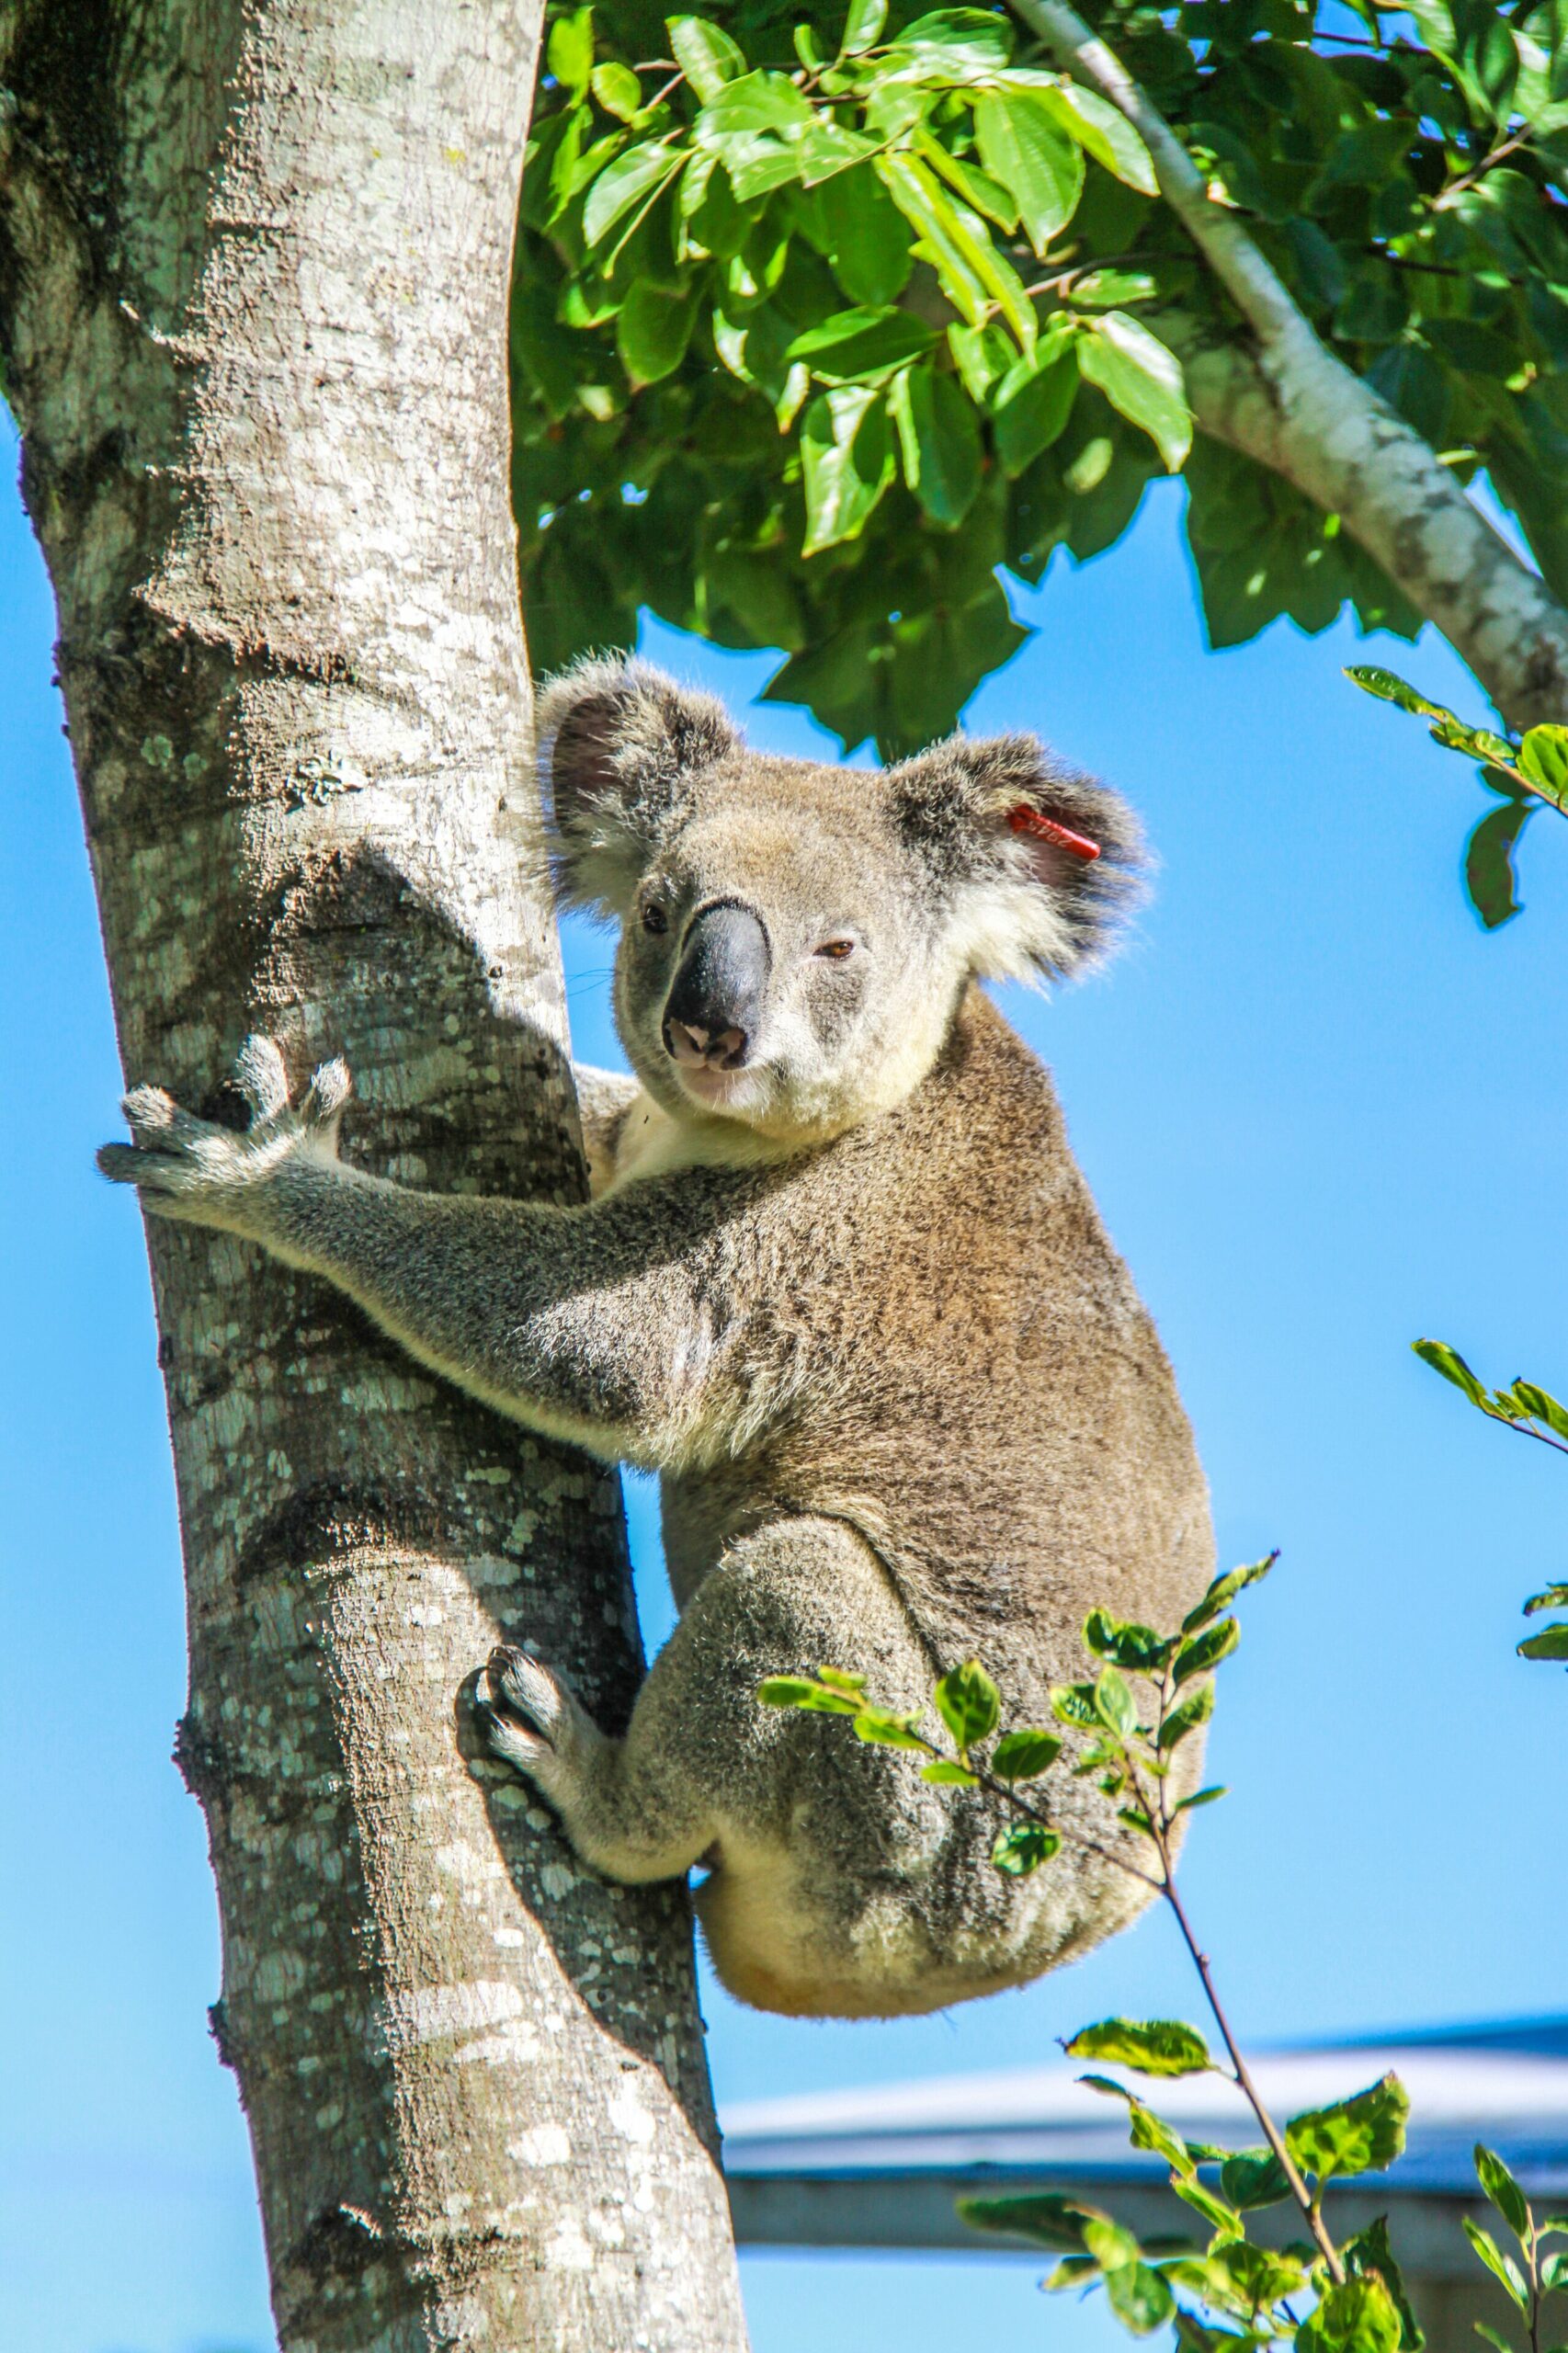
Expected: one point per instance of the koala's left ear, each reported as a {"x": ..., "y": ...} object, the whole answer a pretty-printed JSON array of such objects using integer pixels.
[
  {"x": 1038, "y": 864},
  {"x": 620, "y": 745}
]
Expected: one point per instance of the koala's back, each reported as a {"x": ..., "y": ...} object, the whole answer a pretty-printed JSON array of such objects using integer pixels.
[{"x": 959, "y": 1367}]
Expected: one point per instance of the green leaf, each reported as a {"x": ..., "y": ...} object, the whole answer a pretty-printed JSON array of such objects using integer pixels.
[
  {"x": 1204, "y": 1796},
  {"x": 863, "y": 235},
  {"x": 946, "y": 1773},
  {"x": 1138, "y": 2296},
  {"x": 982, "y": 356},
  {"x": 1113, "y": 2246},
  {"x": 1453, "y": 1366},
  {"x": 976, "y": 187},
  {"x": 1023, "y": 1846},
  {"x": 1223, "y": 1591},
  {"x": 752, "y": 102},
  {"x": 1495, "y": 2336},
  {"x": 1042, "y": 169},
  {"x": 1020, "y": 1755},
  {"x": 968, "y": 1702},
  {"x": 1551, "y": 1643},
  {"x": 971, "y": 272},
  {"x": 1136, "y": 1649},
  {"x": 631, "y": 176},
  {"x": 1142, "y": 379},
  {"x": 1145, "y": 2130},
  {"x": 1114, "y": 1702},
  {"x": 837, "y": 1678},
  {"x": 1043, "y": 2217},
  {"x": 882, "y": 1728},
  {"x": 1362, "y": 2134},
  {"x": 1390, "y": 688},
  {"x": 1216, "y": 2212},
  {"x": 1543, "y": 762},
  {"x": 1098, "y": 127},
  {"x": 1256, "y": 2277},
  {"x": 1555, "y": 1597},
  {"x": 862, "y": 343},
  {"x": 654, "y": 329},
  {"x": 1359, "y": 2317},
  {"x": 618, "y": 90},
  {"x": 848, "y": 462},
  {"x": 864, "y": 27},
  {"x": 1202, "y": 1652},
  {"x": 1033, "y": 402},
  {"x": 1254, "y": 2178},
  {"x": 1555, "y": 2273},
  {"x": 950, "y": 45},
  {"x": 800, "y": 1691},
  {"x": 1541, "y": 1406},
  {"x": 569, "y": 54},
  {"x": 705, "y": 54},
  {"x": 1503, "y": 2268},
  {"x": 1154, "y": 2046},
  {"x": 1489, "y": 875},
  {"x": 1074, "y": 1703},
  {"x": 1502, "y": 2190},
  {"x": 1368, "y": 2255}
]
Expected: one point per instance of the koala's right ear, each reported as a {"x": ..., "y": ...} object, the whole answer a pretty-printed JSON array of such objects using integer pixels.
[{"x": 620, "y": 745}]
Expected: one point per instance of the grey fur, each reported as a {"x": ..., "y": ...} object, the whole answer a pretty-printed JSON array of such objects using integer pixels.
[{"x": 851, "y": 1300}]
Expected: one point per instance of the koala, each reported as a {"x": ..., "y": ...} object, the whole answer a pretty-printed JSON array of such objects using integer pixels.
[{"x": 841, "y": 1284}]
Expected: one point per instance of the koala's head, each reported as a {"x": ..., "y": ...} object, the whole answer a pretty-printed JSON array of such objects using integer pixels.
[{"x": 794, "y": 938}]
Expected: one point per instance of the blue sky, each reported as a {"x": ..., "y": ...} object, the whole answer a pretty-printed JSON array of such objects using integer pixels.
[{"x": 1323, "y": 1114}]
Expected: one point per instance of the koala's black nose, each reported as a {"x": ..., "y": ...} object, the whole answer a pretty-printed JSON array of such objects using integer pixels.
[{"x": 715, "y": 1000}]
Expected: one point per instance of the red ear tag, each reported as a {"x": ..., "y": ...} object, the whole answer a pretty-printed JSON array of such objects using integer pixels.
[{"x": 1025, "y": 820}]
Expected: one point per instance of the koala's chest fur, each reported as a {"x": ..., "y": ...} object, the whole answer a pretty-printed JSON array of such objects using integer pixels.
[{"x": 922, "y": 1329}]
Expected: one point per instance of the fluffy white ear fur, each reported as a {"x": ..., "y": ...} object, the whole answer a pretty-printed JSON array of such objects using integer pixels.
[
  {"x": 989, "y": 819},
  {"x": 618, "y": 742}
]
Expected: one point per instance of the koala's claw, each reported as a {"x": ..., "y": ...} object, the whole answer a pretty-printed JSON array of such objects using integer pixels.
[
  {"x": 527, "y": 1691},
  {"x": 184, "y": 1164},
  {"x": 529, "y": 1719}
]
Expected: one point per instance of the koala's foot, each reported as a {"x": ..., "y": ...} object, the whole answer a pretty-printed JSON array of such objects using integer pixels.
[
  {"x": 534, "y": 1724},
  {"x": 192, "y": 1168}
]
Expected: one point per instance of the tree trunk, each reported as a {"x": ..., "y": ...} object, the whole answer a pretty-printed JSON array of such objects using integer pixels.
[{"x": 253, "y": 292}]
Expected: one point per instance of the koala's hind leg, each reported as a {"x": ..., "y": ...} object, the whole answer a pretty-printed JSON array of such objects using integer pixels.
[{"x": 817, "y": 1845}]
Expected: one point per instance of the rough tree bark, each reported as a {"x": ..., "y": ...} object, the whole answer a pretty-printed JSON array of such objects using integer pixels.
[{"x": 252, "y": 287}]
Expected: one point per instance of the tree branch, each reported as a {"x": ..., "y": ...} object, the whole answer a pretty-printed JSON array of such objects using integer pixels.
[{"x": 1299, "y": 410}]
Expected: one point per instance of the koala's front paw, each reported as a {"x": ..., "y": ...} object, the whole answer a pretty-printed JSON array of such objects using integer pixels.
[
  {"x": 195, "y": 1169},
  {"x": 532, "y": 1722}
]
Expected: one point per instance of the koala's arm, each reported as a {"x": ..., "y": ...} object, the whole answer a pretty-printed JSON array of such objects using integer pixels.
[
  {"x": 604, "y": 1097},
  {"x": 595, "y": 1325}
]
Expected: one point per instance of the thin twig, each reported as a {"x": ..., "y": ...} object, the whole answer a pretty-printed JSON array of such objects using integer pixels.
[
  {"x": 1526, "y": 1429},
  {"x": 1456, "y": 187},
  {"x": 1158, "y": 1811}
]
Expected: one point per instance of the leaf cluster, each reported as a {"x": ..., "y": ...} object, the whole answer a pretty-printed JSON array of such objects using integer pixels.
[
  {"x": 1527, "y": 1407},
  {"x": 1227, "y": 2292},
  {"x": 1525, "y": 775},
  {"x": 825, "y": 319},
  {"x": 1529, "y": 2279}
]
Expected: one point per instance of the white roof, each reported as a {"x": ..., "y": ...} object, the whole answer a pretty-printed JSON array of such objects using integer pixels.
[{"x": 1505, "y": 2086}]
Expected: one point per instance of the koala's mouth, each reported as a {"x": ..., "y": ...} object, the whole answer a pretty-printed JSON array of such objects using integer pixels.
[{"x": 713, "y": 1085}]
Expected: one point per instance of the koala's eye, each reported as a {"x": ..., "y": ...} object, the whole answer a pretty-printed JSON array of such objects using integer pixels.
[
  {"x": 654, "y": 918},
  {"x": 837, "y": 949}
]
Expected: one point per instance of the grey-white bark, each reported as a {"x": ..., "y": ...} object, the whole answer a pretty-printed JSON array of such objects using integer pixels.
[
  {"x": 254, "y": 260},
  {"x": 1288, "y": 403}
]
